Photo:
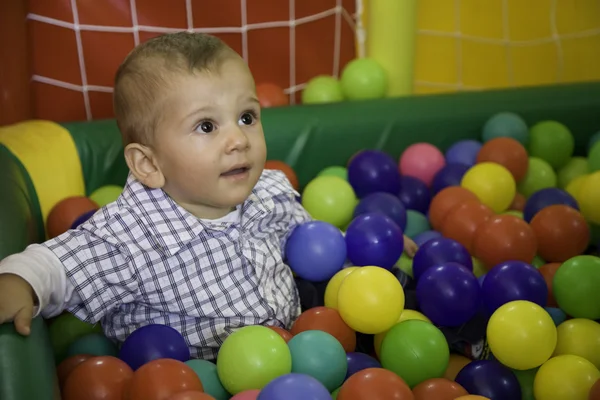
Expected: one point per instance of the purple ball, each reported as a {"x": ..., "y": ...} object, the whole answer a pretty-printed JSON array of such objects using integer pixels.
[
  {"x": 463, "y": 152},
  {"x": 359, "y": 361},
  {"x": 374, "y": 239},
  {"x": 371, "y": 171},
  {"x": 449, "y": 294},
  {"x": 294, "y": 386},
  {"x": 440, "y": 251},
  {"x": 450, "y": 175},
  {"x": 83, "y": 218},
  {"x": 415, "y": 194},
  {"x": 151, "y": 342},
  {"x": 489, "y": 378},
  {"x": 547, "y": 197},
  {"x": 513, "y": 280},
  {"x": 426, "y": 236},
  {"x": 385, "y": 203}
]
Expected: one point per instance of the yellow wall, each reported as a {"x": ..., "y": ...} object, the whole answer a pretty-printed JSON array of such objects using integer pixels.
[{"x": 480, "y": 44}]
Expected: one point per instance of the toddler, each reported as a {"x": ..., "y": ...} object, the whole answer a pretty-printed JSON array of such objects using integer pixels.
[{"x": 196, "y": 239}]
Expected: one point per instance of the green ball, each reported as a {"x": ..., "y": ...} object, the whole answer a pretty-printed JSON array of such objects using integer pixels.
[
  {"x": 594, "y": 158},
  {"x": 514, "y": 213},
  {"x": 416, "y": 223},
  {"x": 335, "y": 393},
  {"x": 106, "y": 194},
  {"x": 340, "y": 172},
  {"x": 207, "y": 372},
  {"x": 64, "y": 330},
  {"x": 405, "y": 264},
  {"x": 551, "y": 141},
  {"x": 251, "y": 357},
  {"x": 322, "y": 89},
  {"x": 538, "y": 261},
  {"x": 540, "y": 175},
  {"x": 574, "y": 168},
  {"x": 364, "y": 78},
  {"x": 319, "y": 354},
  {"x": 415, "y": 351},
  {"x": 576, "y": 287},
  {"x": 95, "y": 344},
  {"x": 526, "y": 378},
  {"x": 330, "y": 199}
]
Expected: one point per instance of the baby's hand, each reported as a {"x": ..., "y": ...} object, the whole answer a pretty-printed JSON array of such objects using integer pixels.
[
  {"x": 16, "y": 302},
  {"x": 410, "y": 247}
]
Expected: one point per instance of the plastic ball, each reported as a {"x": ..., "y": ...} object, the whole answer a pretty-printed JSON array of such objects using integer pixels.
[
  {"x": 335, "y": 170},
  {"x": 462, "y": 222},
  {"x": 574, "y": 187},
  {"x": 95, "y": 344},
  {"x": 191, "y": 395},
  {"x": 506, "y": 124},
  {"x": 162, "y": 378},
  {"x": 423, "y": 237},
  {"x": 316, "y": 251},
  {"x": 579, "y": 337},
  {"x": 444, "y": 201},
  {"x": 370, "y": 300},
  {"x": 371, "y": 171},
  {"x": 364, "y": 78},
  {"x": 374, "y": 239},
  {"x": 106, "y": 194},
  {"x": 440, "y": 251},
  {"x": 513, "y": 280},
  {"x": 329, "y": 199},
  {"x": 64, "y": 369},
  {"x": 207, "y": 372},
  {"x": 333, "y": 287},
  {"x": 521, "y": 335},
  {"x": 327, "y": 320},
  {"x": 66, "y": 212},
  {"x": 97, "y": 378},
  {"x": 294, "y": 386},
  {"x": 416, "y": 351},
  {"x": 385, "y": 203},
  {"x": 492, "y": 183},
  {"x": 151, "y": 342},
  {"x": 414, "y": 193},
  {"x": 575, "y": 287},
  {"x": 405, "y": 316},
  {"x": 322, "y": 89},
  {"x": 284, "y": 167},
  {"x": 565, "y": 377},
  {"x": 507, "y": 152},
  {"x": 551, "y": 141},
  {"x": 271, "y": 95},
  {"x": 574, "y": 168},
  {"x": 490, "y": 379},
  {"x": 360, "y": 361},
  {"x": 547, "y": 197},
  {"x": 450, "y": 175},
  {"x": 375, "y": 384},
  {"x": 422, "y": 161},
  {"x": 540, "y": 175},
  {"x": 438, "y": 389},
  {"x": 285, "y": 335},
  {"x": 251, "y": 357},
  {"x": 594, "y": 158},
  {"x": 251, "y": 394},
  {"x": 589, "y": 197},
  {"x": 83, "y": 218},
  {"x": 416, "y": 223},
  {"x": 463, "y": 152}
]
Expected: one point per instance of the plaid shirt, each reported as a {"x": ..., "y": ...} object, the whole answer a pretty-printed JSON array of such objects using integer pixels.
[{"x": 144, "y": 260}]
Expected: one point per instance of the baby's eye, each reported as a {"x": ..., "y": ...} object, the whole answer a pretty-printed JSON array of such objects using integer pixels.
[
  {"x": 247, "y": 118},
  {"x": 206, "y": 126}
]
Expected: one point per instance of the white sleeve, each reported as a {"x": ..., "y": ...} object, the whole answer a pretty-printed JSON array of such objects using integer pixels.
[{"x": 45, "y": 273}]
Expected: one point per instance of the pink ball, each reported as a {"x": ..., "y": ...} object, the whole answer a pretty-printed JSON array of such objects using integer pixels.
[
  {"x": 246, "y": 395},
  {"x": 422, "y": 161}
]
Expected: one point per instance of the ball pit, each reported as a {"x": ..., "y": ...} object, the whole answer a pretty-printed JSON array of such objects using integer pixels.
[{"x": 513, "y": 210}]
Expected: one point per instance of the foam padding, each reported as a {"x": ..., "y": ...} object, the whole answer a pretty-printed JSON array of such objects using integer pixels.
[{"x": 49, "y": 155}]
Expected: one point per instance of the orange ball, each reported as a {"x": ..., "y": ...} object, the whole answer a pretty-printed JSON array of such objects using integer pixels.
[
  {"x": 375, "y": 384},
  {"x": 98, "y": 378},
  {"x": 444, "y": 201},
  {"x": 463, "y": 220},
  {"x": 438, "y": 389},
  {"x": 456, "y": 363},
  {"x": 328, "y": 320},
  {"x": 286, "y": 169},
  {"x": 548, "y": 271},
  {"x": 561, "y": 232},
  {"x": 595, "y": 391},
  {"x": 65, "y": 212},
  {"x": 191, "y": 395},
  {"x": 271, "y": 95},
  {"x": 507, "y": 152},
  {"x": 68, "y": 365},
  {"x": 472, "y": 397},
  {"x": 285, "y": 335},
  {"x": 162, "y": 378},
  {"x": 504, "y": 238},
  {"x": 518, "y": 203}
]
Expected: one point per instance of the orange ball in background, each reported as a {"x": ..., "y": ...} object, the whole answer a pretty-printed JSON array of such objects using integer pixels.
[
  {"x": 507, "y": 152},
  {"x": 375, "y": 384},
  {"x": 162, "y": 378},
  {"x": 548, "y": 271},
  {"x": 286, "y": 169},
  {"x": 518, "y": 203},
  {"x": 271, "y": 95},
  {"x": 98, "y": 378},
  {"x": 504, "y": 238},
  {"x": 444, "y": 201},
  {"x": 561, "y": 232},
  {"x": 191, "y": 395},
  {"x": 438, "y": 389},
  {"x": 68, "y": 365},
  {"x": 328, "y": 320},
  {"x": 463, "y": 220},
  {"x": 285, "y": 335},
  {"x": 65, "y": 212}
]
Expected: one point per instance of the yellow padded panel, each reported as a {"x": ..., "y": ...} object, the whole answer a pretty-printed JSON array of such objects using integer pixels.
[{"x": 49, "y": 155}]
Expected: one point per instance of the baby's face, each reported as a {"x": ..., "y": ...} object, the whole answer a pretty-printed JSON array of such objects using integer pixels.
[{"x": 209, "y": 143}]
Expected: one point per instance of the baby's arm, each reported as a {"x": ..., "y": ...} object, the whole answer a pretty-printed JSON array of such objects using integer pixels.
[{"x": 410, "y": 247}]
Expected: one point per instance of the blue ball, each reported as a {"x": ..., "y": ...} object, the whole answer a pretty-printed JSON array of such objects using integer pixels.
[
  {"x": 83, "y": 218},
  {"x": 421, "y": 238},
  {"x": 359, "y": 361},
  {"x": 415, "y": 194},
  {"x": 151, "y": 342},
  {"x": 506, "y": 124},
  {"x": 450, "y": 175},
  {"x": 558, "y": 315},
  {"x": 374, "y": 239},
  {"x": 547, "y": 197},
  {"x": 371, "y": 171},
  {"x": 463, "y": 152},
  {"x": 294, "y": 386},
  {"x": 489, "y": 378},
  {"x": 316, "y": 251},
  {"x": 385, "y": 203},
  {"x": 440, "y": 251}
]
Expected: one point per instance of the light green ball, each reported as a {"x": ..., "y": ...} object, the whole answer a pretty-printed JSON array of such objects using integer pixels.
[
  {"x": 322, "y": 89},
  {"x": 364, "y": 78},
  {"x": 330, "y": 199},
  {"x": 540, "y": 175},
  {"x": 551, "y": 141},
  {"x": 340, "y": 172},
  {"x": 106, "y": 194},
  {"x": 574, "y": 168}
]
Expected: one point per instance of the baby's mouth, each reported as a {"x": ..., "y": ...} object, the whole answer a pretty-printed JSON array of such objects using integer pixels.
[{"x": 236, "y": 171}]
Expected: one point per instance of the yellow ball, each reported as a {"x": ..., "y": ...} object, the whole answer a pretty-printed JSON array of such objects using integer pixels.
[
  {"x": 589, "y": 198},
  {"x": 493, "y": 185},
  {"x": 565, "y": 377},
  {"x": 521, "y": 335},
  {"x": 370, "y": 300},
  {"x": 574, "y": 187},
  {"x": 333, "y": 287},
  {"x": 406, "y": 315},
  {"x": 579, "y": 337}
]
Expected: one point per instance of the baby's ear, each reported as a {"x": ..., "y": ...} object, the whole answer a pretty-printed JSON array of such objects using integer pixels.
[{"x": 144, "y": 166}]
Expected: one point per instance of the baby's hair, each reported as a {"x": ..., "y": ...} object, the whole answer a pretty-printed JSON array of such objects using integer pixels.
[{"x": 146, "y": 71}]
